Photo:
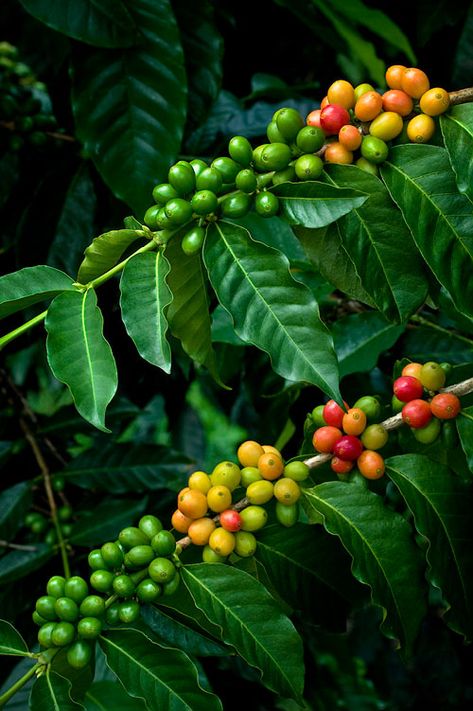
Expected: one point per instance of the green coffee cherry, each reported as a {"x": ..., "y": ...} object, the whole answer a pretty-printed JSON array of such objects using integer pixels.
[
  {"x": 246, "y": 181},
  {"x": 193, "y": 240},
  {"x": 38, "y": 619},
  {"x": 284, "y": 176},
  {"x": 370, "y": 406},
  {"x": 227, "y": 168},
  {"x": 111, "y": 614},
  {"x": 374, "y": 437},
  {"x": 163, "y": 543},
  {"x": 275, "y": 156},
  {"x": 112, "y": 555},
  {"x": 253, "y": 518},
  {"x": 204, "y": 202},
  {"x": 151, "y": 216},
  {"x": 210, "y": 556},
  {"x": 308, "y": 167},
  {"x": 66, "y": 609},
  {"x": 79, "y": 654},
  {"x": 236, "y": 205},
  {"x": 240, "y": 150},
  {"x": 257, "y": 156},
  {"x": 429, "y": 433},
  {"x": 396, "y": 404},
  {"x": 123, "y": 586},
  {"x": 182, "y": 177},
  {"x": 101, "y": 580},
  {"x": 198, "y": 165},
  {"x": 89, "y": 627},
  {"x": 298, "y": 471},
  {"x": 64, "y": 513},
  {"x": 245, "y": 544},
  {"x": 209, "y": 179},
  {"x": 132, "y": 536},
  {"x": 289, "y": 123},
  {"x": 141, "y": 555},
  {"x": 92, "y": 606},
  {"x": 45, "y": 634},
  {"x": 274, "y": 134},
  {"x": 310, "y": 139},
  {"x": 250, "y": 475},
  {"x": 317, "y": 416},
  {"x": 148, "y": 591},
  {"x": 63, "y": 634},
  {"x": 161, "y": 570},
  {"x": 287, "y": 515},
  {"x": 58, "y": 483},
  {"x": 374, "y": 149},
  {"x": 162, "y": 220},
  {"x": 178, "y": 210},
  {"x": 95, "y": 560},
  {"x": 266, "y": 204},
  {"x": 76, "y": 589},
  {"x": 45, "y": 606},
  {"x": 432, "y": 376},
  {"x": 164, "y": 192},
  {"x": 128, "y": 611},
  {"x": 368, "y": 167},
  {"x": 260, "y": 492},
  {"x": 55, "y": 586},
  {"x": 171, "y": 586}
]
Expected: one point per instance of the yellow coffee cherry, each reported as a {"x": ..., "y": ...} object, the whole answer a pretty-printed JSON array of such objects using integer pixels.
[
  {"x": 287, "y": 491},
  {"x": 260, "y": 492},
  {"x": 200, "y": 481},
  {"x": 249, "y": 452},
  {"x": 226, "y": 474},
  {"x": 222, "y": 541},
  {"x": 200, "y": 530},
  {"x": 219, "y": 498}
]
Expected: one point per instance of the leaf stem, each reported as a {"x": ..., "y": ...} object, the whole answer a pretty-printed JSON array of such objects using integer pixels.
[
  {"x": 19, "y": 684},
  {"x": 22, "y": 329},
  {"x": 429, "y": 324},
  {"x": 117, "y": 268}
]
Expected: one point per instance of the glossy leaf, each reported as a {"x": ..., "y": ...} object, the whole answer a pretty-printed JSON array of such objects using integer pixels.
[
  {"x": 384, "y": 555},
  {"x": 441, "y": 505},
  {"x": 144, "y": 298},
  {"x": 274, "y": 232},
  {"x": 79, "y": 355},
  {"x": 111, "y": 696},
  {"x": 130, "y": 104},
  {"x": 251, "y": 621},
  {"x": 76, "y": 223},
  {"x": 424, "y": 343},
  {"x": 105, "y": 521},
  {"x": 422, "y": 182},
  {"x": 121, "y": 468},
  {"x": 166, "y": 678},
  {"x": 176, "y": 634},
  {"x": 105, "y": 24},
  {"x": 311, "y": 571},
  {"x": 52, "y": 691},
  {"x": 360, "y": 339},
  {"x": 464, "y": 423},
  {"x": 269, "y": 308},
  {"x": 29, "y": 286},
  {"x": 18, "y": 563},
  {"x": 11, "y": 641},
  {"x": 104, "y": 252},
  {"x": 457, "y": 130},
  {"x": 188, "y": 313},
  {"x": 314, "y": 204},
  {"x": 14, "y": 503},
  {"x": 377, "y": 240}
]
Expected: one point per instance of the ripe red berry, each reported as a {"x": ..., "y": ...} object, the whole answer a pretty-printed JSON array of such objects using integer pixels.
[
  {"x": 348, "y": 448},
  {"x": 333, "y": 117},
  {"x": 408, "y": 388},
  {"x": 417, "y": 413},
  {"x": 230, "y": 520},
  {"x": 340, "y": 466},
  {"x": 445, "y": 406},
  {"x": 333, "y": 413},
  {"x": 325, "y": 438}
]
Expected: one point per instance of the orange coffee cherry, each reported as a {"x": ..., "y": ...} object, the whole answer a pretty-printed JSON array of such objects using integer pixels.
[
  {"x": 273, "y": 450},
  {"x": 337, "y": 153},
  {"x": 412, "y": 369},
  {"x": 180, "y": 522},
  {"x": 415, "y": 82},
  {"x": 434, "y": 102},
  {"x": 368, "y": 106},
  {"x": 350, "y": 137},
  {"x": 370, "y": 464},
  {"x": 270, "y": 465},
  {"x": 249, "y": 452},
  {"x": 398, "y": 101},
  {"x": 354, "y": 421},
  {"x": 394, "y": 75},
  {"x": 199, "y": 531},
  {"x": 192, "y": 503},
  {"x": 200, "y": 481}
]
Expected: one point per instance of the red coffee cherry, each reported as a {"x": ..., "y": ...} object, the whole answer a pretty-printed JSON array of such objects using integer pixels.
[
  {"x": 348, "y": 448},
  {"x": 340, "y": 466},
  {"x": 230, "y": 520},
  {"x": 325, "y": 438},
  {"x": 407, "y": 388},
  {"x": 332, "y": 118},
  {"x": 445, "y": 406},
  {"x": 417, "y": 413},
  {"x": 333, "y": 413}
]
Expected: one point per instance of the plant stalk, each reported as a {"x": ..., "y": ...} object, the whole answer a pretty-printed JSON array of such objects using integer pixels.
[
  {"x": 22, "y": 329},
  {"x": 4, "y": 698}
]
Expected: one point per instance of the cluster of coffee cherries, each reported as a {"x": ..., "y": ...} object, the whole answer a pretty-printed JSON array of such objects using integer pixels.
[
  {"x": 424, "y": 409},
  {"x": 23, "y": 117},
  {"x": 361, "y": 118},
  {"x": 41, "y": 527},
  {"x": 204, "y": 507},
  {"x": 139, "y": 567}
]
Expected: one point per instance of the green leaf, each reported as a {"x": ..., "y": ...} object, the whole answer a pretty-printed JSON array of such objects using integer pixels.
[
  {"x": 11, "y": 641},
  {"x": 311, "y": 572},
  {"x": 360, "y": 339},
  {"x": 75, "y": 225},
  {"x": 464, "y": 423},
  {"x": 384, "y": 555},
  {"x": 166, "y": 678},
  {"x": 19, "y": 702},
  {"x": 105, "y": 521},
  {"x": 52, "y": 691},
  {"x": 463, "y": 60},
  {"x": 424, "y": 343},
  {"x": 130, "y": 105},
  {"x": 314, "y": 204},
  {"x": 274, "y": 232},
  {"x": 420, "y": 179},
  {"x": 176, "y": 634},
  {"x": 251, "y": 621},
  {"x": 269, "y": 308},
  {"x": 111, "y": 696},
  {"x": 144, "y": 298},
  {"x": 30, "y": 285},
  {"x": 121, "y": 468},
  {"x": 188, "y": 314},
  {"x": 380, "y": 260},
  {"x": 105, "y": 24},
  {"x": 14, "y": 503},
  {"x": 441, "y": 505},
  {"x": 79, "y": 355},
  {"x": 18, "y": 563},
  {"x": 104, "y": 252},
  {"x": 457, "y": 131}
]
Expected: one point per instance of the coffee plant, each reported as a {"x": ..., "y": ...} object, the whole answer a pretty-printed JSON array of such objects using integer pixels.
[{"x": 236, "y": 428}]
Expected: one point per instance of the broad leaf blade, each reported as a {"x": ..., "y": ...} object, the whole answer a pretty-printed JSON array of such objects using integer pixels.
[
  {"x": 105, "y": 521},
  {"x": 442, "y": 506},
  {"x": 111, "y": 696},
  {"x": 11, "y": 641},
  {"x": 464, "y": 423},
  {"x": 130, "y": 105},
  {"x": 384, "y": 555},
  {"x": 269, "y": 308},
  {"x": 377, "y": 240},
  {"x": 52, "y": 691},
  {"x": 105, "y": 24},
  {"x": 14, "y": 503},
  {"x": 18, "y": 563},
  {"x": 251, "y": 621},
  {"x": 314, "y": 204},
  {"x": 79, "y": 355},
  {"x": 165, "y": 677},
  {"x": 457, "y": 130},
  {"x": 176, "y": 634},
  {"x": 29, "y": 286},
  {"x": 422, "y": 182},
  {"x": 144, "y": 298},
  {"x": 104, "y": 252}
]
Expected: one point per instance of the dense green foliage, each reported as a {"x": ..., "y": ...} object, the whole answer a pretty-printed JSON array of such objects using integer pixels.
[{"x": 115, "y": 389}]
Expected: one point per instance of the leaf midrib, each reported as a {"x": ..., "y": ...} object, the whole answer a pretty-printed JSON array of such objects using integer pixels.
[{"x": 87, "y": 350}]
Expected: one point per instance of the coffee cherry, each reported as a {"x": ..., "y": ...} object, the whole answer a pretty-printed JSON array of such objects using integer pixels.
[
  {"x": 253, "y": 518},
  {"x": 394, "y": 75},
  {"x": 132, "y": 536},
  {"x": 111, "y": 614},
  {"x": 266, "y": 204},
  {"x": 92, "y": 606},
  {"x": 415, "y": 82},
  {"x": 63, "y": 634},
  {"x": 332, "y": 118},
  {"x": 246, "y": 181},
  {"x": 341, "y": 92},
  {"x": 434, "y": 102},
  {"x": 398, "y": 101},
  {"x": 226, "y": 474},
  {"x": 148, "y": 591},
  {"x": 161, "y": 570},
  {"x": 222, "y": 541},
  {"x": 58, "y": 483},
  {"x": 284, "y": 176},
  {"x": 193, "y": 240},
  {"x": 298, "y": 471},
  {"x": 79, "y": 654},
  {"x": 333, "y": 413},
  {"x": 310, "y": 139},
  {"x": 370, "y": 406},
  {"x": 219, "y": 498},
  {"x": 270, "y": 465},
  {"x": 308, "y": 167},
  {"x": 396, "y": 404},
  {"x": 313, "y": 119},
  {"x": 318, "y": 416},
  {"x": 386, "y": 126},
  {"x": 227, "y": 168},
  {"x": 416, "y": 413},
  {"x": 245, "y": 544},
  {"x": 287, "y": 491},
  {"x": 151, "y": 217},
  {"x": 249, "y": 452},
  {"x": 128, "y": 611},
  {"x": 350, "y": 137},
  {"x": 432, "y": 376},
  {"x": 445, "y": 406},
  {"x": 182, "y": 178},
  {"x": 289, "y": 122},
  {"x": 340, "y": 466},
  {"x": 337, "y": 153},
  {"x": 371, "y": 464},
  {"x": 200, "y": 481},
  {"x": 287, "y": 515},
  {"x": 354, "y": 421},
  {"x": 180, "y": 522},
  {"x": 209, "y": 179},
  {"x": 123, "y": 586},
  {"x": 66, "y": 609},
  {"x": 200, "y": 530},
  {"x": 367, "y": 166},
  {"x": 112, "y": 554},
  {"x": 407, "y": 388},
  {"x": 362, "y": 89},
  {"x": 38, "y": 524},
  {"x": 210, "y": 556},
  {"x": 95, "y": 560},
  {"x": 171, "y": 586},
  {"x": 374, "y": 437},
  {"x": 164, "y": 192},
  {"x": 204, "y": 202},
  {"x": 429, "y": 433},
  {"x": 368, "y": 106},
  {"x": 37, "y": 619},
  {"x": 89, "y": 627},
  {"x": 421, "y": 128},
  {"x": 274, "y": 134},
  {"x": 45, "y": 634},
  {"x": 275, "y": 156},
  {"x": 102, "y": 580},
  {"x": 250, "y": 475},
  {"x": 55, "y": 586},
  {"x": 230, "y": 520},
  {"x": 260, "y": 492},
  {"x": 178, "y": 211},
  {"x": 240, "y": 150},
  {"x": 413, "y": 369},
  {"x": 348, "y": 447},
  {"x": 236, "y": 205},
  {"x": 325, "y": 438},
  {"x": 163, "y": 543},
  {"x": 374, "y": 149},
  {"x": 269, "y": 449},
  {"x": 150, "y": 525}
]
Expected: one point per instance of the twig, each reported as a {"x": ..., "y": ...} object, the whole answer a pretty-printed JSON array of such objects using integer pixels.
[{"x": 16, "y": 546}]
